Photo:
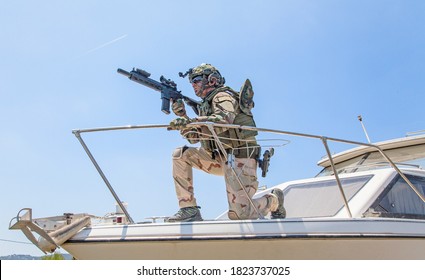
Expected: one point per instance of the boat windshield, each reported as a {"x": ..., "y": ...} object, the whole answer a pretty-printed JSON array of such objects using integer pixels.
[
  {"x": 412, "y": 156},
  {"x": 399, "y": 201},
  {"x": 320, "y": 199}
]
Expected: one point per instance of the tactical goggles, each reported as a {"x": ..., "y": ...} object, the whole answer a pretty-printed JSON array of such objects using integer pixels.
[{"x": 196, "y": 79}]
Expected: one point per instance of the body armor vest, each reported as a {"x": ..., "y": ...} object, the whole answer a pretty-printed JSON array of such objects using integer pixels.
[{"x": 239, "y": 142}]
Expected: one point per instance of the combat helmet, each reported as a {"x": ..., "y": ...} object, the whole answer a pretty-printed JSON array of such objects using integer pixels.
[{"x": 207, "y": 71}]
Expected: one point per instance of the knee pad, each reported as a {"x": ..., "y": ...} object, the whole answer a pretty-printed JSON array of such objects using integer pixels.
[
  {"x": 178, "y": 153},
  {"x": 232, "y": 215}
]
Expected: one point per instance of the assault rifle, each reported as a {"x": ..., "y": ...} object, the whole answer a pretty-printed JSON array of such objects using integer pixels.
[
  {"x": 265, "y": 162},
  {"x": 167, "y": 87}
]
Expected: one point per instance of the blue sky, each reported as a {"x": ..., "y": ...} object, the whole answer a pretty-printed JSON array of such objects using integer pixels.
[{"x": 314, "y": 65}]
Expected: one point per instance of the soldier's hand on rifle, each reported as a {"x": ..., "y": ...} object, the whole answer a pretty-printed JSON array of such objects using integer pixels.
[
  {"x": 179, "y": 123},
  {"x": 178, "y": 107}
]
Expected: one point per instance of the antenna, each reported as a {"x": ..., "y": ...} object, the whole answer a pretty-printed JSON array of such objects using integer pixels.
[{"x": 364, "y": 129}]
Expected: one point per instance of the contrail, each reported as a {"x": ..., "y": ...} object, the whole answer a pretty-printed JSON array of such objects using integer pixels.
[{"x": 106, "y": 44}]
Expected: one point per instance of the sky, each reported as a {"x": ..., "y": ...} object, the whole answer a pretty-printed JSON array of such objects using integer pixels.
[{"x": 314, "y": 65}]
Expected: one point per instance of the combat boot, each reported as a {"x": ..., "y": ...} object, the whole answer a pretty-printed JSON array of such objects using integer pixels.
[
  {"x": 280, "y": 212},
  {"x": 186, "y": 214}
]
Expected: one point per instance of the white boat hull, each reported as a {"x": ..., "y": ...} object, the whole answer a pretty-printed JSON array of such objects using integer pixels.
[
  {"x": 296, "y": 239},
  {"x": 333, "y": 248}
]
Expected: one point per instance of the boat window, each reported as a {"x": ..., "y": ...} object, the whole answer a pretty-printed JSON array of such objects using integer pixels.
[
  {"x": 399, "y": 200},
  {"x": 320, "y": 199}
]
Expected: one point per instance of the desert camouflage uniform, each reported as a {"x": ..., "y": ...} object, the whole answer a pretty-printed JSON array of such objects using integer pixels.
[{"x": 221, "y": 107}]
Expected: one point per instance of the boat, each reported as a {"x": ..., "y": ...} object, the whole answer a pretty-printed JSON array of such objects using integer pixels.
[{"x": 368, "y": 202}]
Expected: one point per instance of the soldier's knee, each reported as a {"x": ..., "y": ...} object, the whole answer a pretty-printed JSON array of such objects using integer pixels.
[
  {"x": 178, "y": 153},
  {"x": 233, "y": 215}
]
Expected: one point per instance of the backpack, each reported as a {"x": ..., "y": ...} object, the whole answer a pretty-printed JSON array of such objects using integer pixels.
[{"x": 246, "y": 96}]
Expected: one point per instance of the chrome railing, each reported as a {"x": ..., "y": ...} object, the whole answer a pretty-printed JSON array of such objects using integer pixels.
[{"x": 211, "y": 127}]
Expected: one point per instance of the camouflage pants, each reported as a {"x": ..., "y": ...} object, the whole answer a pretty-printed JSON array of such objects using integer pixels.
[{"x": 186, "y": 158}]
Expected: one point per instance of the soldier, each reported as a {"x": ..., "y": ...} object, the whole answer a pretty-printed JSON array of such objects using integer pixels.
[{"x": 220, "y": 104}]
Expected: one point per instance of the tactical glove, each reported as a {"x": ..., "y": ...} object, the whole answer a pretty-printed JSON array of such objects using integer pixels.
[
  {"x": 178, "y": 124},
  {"x": 178, "y": 108}
]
